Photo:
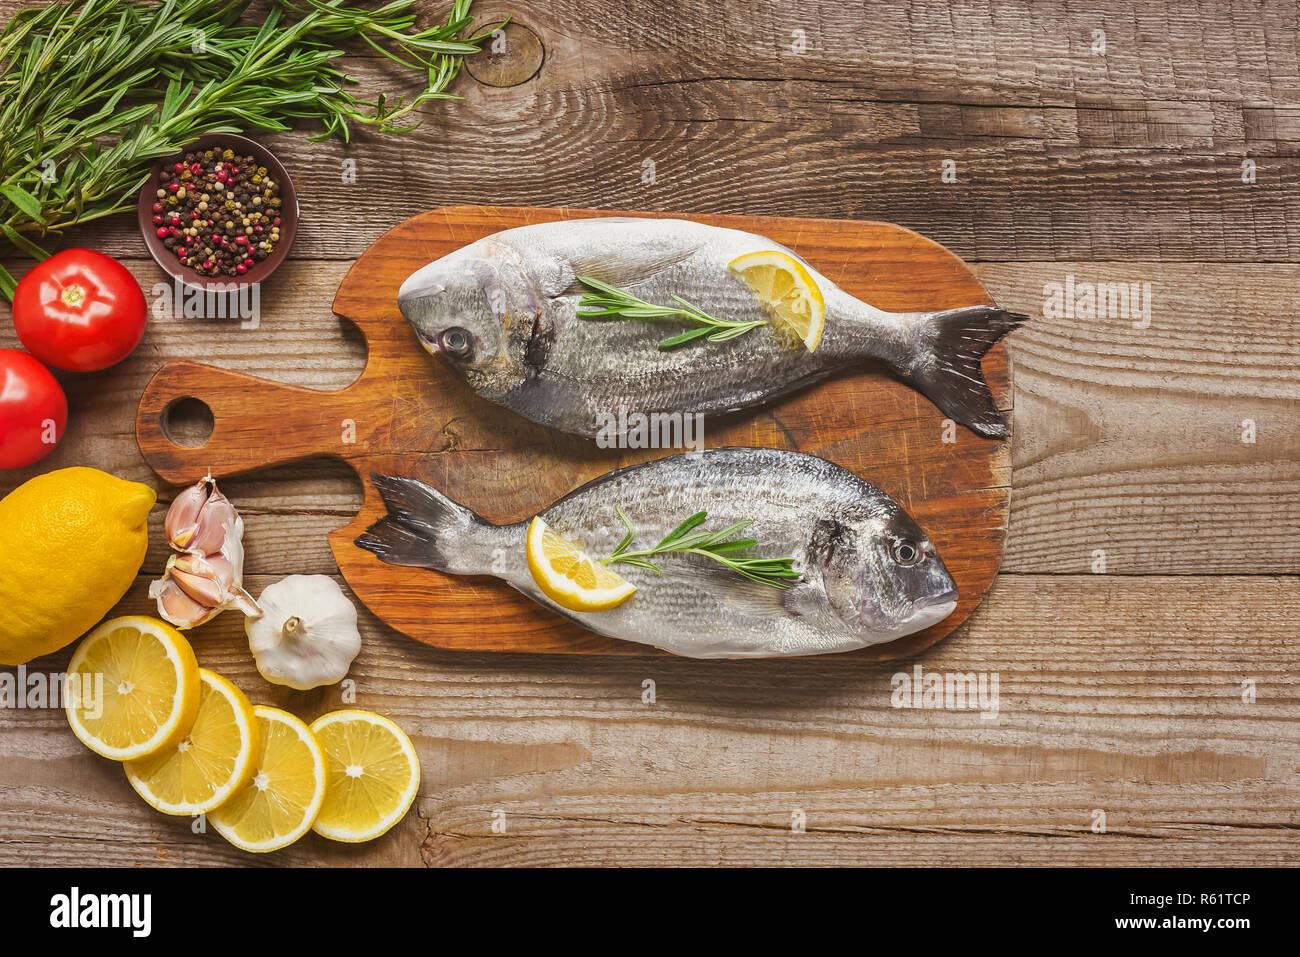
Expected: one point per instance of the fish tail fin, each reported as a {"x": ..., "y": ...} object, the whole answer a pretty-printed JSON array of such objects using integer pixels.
[
  {"x": 947, "y": 370},
  {"x": 426, "y": 529}
]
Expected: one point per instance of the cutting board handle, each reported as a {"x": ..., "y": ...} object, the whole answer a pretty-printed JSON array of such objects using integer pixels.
[{"x": 256, "y": 422}]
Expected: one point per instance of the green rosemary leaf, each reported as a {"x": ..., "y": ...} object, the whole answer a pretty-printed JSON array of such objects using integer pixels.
[
  {"x": 738, "y": 545},
  {"x": 24, "y": 200},
  {"x": 23, "y": 243},
  {"x": 601, "y": 287},
  {"x": 683, "y": 337},
  {"x": 642, "y": 563},
  {"x": 680, "y": 531},
  {"x": 689, "y": 538},
  {"x": 610, "y": 301},
  {"x": 724, "y": 335},
  {"x": 726, "y": 533},
  {"x": 631, "y": 531}
]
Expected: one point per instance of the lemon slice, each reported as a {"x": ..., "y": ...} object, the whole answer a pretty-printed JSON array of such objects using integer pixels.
[
  {"x": 785, "y": 287},
  {"x": 569, "y": 576},
  {"x": 281, "y": 801},
  {"x": 209, "y": 764},
  {"x": 132, "y": 688},
  {"x": 372, "y": 775}
]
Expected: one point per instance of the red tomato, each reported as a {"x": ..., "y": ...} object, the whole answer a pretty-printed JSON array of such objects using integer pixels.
[
  {"x": 79, "y": 310},
  {"x": 33, "y": 410}
]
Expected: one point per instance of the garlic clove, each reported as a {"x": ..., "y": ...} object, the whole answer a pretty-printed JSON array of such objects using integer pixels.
[
  {"x": 177, "y": 607},
  {"x": 182, "y": 520},
  {"x": 215, "y": 520},
  {"x": 199, "y": 518},
  {"x": 207, "y": 581}
]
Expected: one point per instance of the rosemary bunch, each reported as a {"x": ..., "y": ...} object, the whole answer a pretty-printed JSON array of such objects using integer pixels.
[
  {"x": 91, "y": 91},
  {"x": 719, "y": 546},
  {"x": 609, "y": 301}
]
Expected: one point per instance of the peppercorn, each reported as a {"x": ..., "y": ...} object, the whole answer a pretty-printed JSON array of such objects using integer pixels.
[{"x": 217, "y": 245}]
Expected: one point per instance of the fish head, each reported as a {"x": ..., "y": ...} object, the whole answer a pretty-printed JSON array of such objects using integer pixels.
[
  {"x": 478, "y": 311},
  {"x": 882, "y": 575}
]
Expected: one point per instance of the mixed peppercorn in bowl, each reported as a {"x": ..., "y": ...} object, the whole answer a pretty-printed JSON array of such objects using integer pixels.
[{"x": 222, "y": 211}]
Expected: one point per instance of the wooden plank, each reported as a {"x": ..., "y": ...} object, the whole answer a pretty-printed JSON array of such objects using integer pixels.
[
  {"x": 1059, "y": 153},
  {"x": 1172, "y": 448},
  {"x": 1008, "y": 203},
  {"x": 963, "y": 51},
  {"x": 1109, "y": 698}
]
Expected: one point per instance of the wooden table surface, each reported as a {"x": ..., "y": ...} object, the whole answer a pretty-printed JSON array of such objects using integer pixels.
[{"x": 1160, "y": 695}]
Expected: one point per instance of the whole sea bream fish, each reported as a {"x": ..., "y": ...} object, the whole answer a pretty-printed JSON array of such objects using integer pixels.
[
  {"x": 502, "y": 313},
  {"x": 866, "y": 573}
]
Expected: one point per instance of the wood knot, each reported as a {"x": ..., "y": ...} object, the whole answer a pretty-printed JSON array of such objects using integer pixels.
[{"x": 511, "y": 55}]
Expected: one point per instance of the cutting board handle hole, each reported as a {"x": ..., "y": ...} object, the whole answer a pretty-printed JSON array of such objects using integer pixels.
[{"x": 188, "y": 422}]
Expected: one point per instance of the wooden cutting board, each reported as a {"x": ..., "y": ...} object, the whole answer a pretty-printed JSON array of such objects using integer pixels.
[{"x": 407, "y": 415}]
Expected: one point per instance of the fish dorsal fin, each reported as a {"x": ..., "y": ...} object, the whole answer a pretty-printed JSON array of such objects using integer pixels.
[{"x": 626, "y": 264}]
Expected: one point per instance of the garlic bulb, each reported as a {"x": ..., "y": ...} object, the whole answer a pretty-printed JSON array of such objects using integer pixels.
[
  {"x": 205, "y": 577},
  {"x": 307, "y": 634}
]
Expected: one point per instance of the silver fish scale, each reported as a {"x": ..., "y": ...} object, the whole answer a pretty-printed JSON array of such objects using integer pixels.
[
  {"x": 698, "y": 607},
  {"x": 603, "y": 365}
]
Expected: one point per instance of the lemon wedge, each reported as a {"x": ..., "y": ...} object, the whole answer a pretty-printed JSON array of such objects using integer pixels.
[
  {"x": 280, "y": 803},
  {"x": 787, "y": 289},
  {"x": 569, "y": 576},
  {"x": 372, "y": 775},
  {"x": 132, "y": 688},
  {"x": 201, "y": 771}
]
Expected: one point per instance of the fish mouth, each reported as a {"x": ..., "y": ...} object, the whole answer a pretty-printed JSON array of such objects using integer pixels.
[
  {"x": 431, "y": 343},
  {"x": 947, "y": 597},
  {"x": 407, "y": 303},
  {"x": 933, "y": 610}
]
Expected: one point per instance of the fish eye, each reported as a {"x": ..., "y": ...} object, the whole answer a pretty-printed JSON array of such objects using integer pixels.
[
  {"x": 455, "y": 341},
  {"x": 905, "y": 553}
]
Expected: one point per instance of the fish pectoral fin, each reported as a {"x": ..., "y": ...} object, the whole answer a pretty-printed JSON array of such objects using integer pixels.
[
  {"x": 736, "y": 595},
  {"x": 624, "y": 267}
]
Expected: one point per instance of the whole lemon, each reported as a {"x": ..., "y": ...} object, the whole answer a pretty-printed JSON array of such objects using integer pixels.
[{"x": 71, "y": 542}]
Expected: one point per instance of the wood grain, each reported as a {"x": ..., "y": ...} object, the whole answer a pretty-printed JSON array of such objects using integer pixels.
[
  {"x": 1121, "y": 692},
  {"x": 1174, "y": 448},
  {"x": 1108, "y": 700},
  {"x": 413, "y": 417},
  {"x": 1060, "y": 153}
]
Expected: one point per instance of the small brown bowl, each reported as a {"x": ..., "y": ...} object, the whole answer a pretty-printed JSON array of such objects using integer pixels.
[{"x": 261, "y": 270}]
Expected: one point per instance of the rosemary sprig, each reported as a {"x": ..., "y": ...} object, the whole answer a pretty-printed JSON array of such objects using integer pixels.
[
  {"x": 610, "y": 301},
  {"x": 719, "y": 546},
  {"x": 91, "y": 91}
]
